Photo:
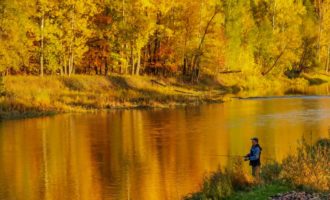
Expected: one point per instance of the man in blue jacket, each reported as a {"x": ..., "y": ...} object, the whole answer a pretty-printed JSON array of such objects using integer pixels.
[{"x": 254, "y": 157}]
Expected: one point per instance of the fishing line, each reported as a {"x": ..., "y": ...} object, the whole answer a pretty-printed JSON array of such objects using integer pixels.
[{"x": 238, "y": 156}]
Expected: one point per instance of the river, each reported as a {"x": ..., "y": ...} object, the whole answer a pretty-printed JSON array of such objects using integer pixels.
[{"x": 148, "y": 154}]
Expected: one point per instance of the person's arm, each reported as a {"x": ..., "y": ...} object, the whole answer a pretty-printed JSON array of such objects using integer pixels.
[
  {"x": 247, "y": 157},
  {"x": 255, "y": 155}
]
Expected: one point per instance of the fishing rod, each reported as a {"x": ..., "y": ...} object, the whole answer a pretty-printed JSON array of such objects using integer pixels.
[
  {"x": 228, "y": 156},
  {"x": 238, "y": 156}
]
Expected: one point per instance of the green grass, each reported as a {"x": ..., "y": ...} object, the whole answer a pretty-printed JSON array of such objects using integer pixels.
[{"x": 261, "y": 192}]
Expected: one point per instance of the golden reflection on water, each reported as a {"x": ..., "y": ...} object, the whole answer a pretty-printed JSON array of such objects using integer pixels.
[{"x": 147, "y": 154}]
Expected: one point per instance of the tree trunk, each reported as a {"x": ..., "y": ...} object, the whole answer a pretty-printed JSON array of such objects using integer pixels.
[
  {"x": 65, "y": 67},
  {"x": 150, "y": 58},
  {"x": 155, "y": 52},
  {"x": 71, "y": 57},
  {"x": 328, "y": 60},
  {"x": 42, "y": 27},
  {"x": 132, "y": 62},
  {"x": 72, "y": 64},
  {"x": 69, "y": 64},
  {"x": 106, "y": 68},
  {"x": 184, "y": 68},
  {"x": 138, "y": 66},
  {"x": 157, "y": 39},
  {"x": 320, "y": 29},
  {"x": 126, "y": 64},
  {"x": 61, "y": 71},
  {"x": 123, "y": 63},
  {"x": 275, "y": 63},
  {"x": 273, "y": 15},
  {"x": 196, "y": 58}
]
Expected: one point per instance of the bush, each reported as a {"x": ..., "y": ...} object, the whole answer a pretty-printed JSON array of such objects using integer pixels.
[
  {"x": 238, "y": 177},
  {"x": 310, "y": 167},
  {"x": 217, "y": 186},
  {"x": 73, "y": 83},
  {"x": 222, "y": 183},
  {"x": 323, "y": 143},
  {"x": 271, "y": 172}
]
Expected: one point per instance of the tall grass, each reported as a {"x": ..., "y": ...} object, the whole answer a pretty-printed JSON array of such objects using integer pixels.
[{"x": 310, "y": 167}]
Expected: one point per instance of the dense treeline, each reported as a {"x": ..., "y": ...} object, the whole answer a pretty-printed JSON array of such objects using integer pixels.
[{"x": 163, "y": 37}]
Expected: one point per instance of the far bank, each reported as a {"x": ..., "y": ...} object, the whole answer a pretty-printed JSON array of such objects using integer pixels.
[{"x": 33, "y": 96}]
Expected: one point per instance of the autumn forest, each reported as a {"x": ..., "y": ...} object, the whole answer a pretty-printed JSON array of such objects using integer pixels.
[{"x": 164, "y": 37}]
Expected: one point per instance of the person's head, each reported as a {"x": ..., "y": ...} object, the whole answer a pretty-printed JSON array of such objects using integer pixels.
[{"x": 255, "y": 141}]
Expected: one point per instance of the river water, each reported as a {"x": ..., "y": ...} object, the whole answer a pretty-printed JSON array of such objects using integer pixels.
[{"x": 147, "y": 154}]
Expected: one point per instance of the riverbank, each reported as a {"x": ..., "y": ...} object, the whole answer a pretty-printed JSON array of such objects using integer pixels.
[
  {"x": 32, "y": 96},
  {"x": 306, "y": 172}
]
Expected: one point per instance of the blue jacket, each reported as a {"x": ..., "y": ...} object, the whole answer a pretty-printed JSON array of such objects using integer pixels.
[{"x": 254, "y": 155}]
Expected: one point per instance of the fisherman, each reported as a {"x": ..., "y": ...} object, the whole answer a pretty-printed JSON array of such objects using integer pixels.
[{"x": 254, "y": 157}]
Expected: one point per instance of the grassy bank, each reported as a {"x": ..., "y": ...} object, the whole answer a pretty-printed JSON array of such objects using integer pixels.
[
  {"x": 256, "y": 85},
  {"x": 30, "y": 96},
  {"x": 26, "y": 96},
  {"x": 307, "y": 171},
  {"x": 261, "y": 192}
]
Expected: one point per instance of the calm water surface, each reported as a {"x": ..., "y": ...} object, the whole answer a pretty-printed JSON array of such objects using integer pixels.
[{"x": 147, "y": 154}]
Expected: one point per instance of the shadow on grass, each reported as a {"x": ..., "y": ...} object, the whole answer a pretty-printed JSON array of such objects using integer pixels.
[{"x": 119, "y": 82}]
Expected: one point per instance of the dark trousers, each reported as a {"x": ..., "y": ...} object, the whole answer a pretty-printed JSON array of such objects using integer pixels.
[{"x": 256, "y": 171}]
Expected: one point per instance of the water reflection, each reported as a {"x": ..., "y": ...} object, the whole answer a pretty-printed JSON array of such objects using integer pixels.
[{"x": 146, "y": 154}]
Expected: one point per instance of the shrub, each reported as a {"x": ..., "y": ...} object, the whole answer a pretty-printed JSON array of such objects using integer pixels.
[
  {"x": 271, "y": 172},
  {"x": 216, "y": 186},
  {"x": 73, "y": 83},
  {"x": 222, "y": 183},
  {"x": 310, "y": 167},
  {"x": 237, "y": 175}
]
